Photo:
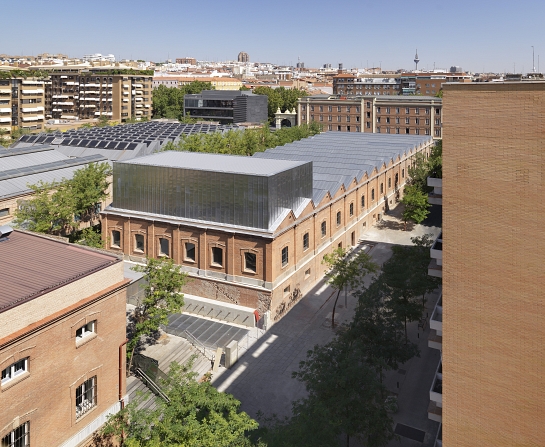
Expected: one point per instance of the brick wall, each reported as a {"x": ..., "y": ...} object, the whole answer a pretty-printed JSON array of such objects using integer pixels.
[
  {"x": 493, "y": 257},
  {"x": 45, "y": 395}
]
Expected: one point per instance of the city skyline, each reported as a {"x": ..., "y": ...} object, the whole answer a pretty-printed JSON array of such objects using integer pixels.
[{"x": 478, "y": 36}]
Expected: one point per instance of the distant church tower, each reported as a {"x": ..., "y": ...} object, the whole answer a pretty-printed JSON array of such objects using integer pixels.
[{"x": 416, "y": 60}]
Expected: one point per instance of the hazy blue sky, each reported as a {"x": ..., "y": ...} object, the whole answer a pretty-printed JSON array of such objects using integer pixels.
[{"x": 476, "y": 35}]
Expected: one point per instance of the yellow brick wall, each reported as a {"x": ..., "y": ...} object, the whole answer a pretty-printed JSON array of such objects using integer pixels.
[{"x": 493, "y": 258}]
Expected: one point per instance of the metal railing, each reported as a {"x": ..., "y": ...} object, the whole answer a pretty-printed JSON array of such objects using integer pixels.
[
  {"x": 209, "y": 353},
  {"x": 155, "y": 389}
]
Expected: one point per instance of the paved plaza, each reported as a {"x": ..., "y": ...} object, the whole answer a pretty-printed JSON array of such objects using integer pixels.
[{"x": 262, "y": 381}]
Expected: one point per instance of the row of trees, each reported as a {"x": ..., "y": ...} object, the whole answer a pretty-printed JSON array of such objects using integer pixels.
[
  {"x": 415, "y": 195},
  {"x": 59, "y": 207},
  {"x": 246, "y": 142}
]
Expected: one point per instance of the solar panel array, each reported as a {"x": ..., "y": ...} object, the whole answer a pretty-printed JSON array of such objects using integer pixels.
[
  {"x": 125, "y": 137},
  {"x": 338, "y": 158}
]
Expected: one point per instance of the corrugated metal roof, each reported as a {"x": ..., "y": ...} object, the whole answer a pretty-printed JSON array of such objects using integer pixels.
[
  {"x": 23, "y": 167},
  {"x": 339, "y": 157},
  {"x": 33, "y": 265},
  {"x": 234, "y": 164}
]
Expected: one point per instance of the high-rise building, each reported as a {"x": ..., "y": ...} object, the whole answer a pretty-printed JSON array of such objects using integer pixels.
[
  {"x": 243, "y": 57},
  {"x": 493, "y": 257},
  {"x": 89, "y": 93}
]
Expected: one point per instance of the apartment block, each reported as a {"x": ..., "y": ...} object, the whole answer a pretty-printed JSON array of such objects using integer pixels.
[
  {"x": 493, "y": 255},
  {"x": 87, "y": 94},
  {"x": 22, "y": 104},
  {"x": 401, "y": 115},
  {"x": 368, "y": 85},
  {"x": 62, "y": 338}
]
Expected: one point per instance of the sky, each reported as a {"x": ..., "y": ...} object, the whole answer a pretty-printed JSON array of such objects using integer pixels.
[{"x": 478, "y": 35}]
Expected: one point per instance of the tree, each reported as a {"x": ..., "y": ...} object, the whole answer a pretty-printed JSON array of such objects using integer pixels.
[
  {"x": 280, "y": 98},
  {"x": 376, "y": 331},
  {"x": 402, "y": 286},
  {"x": 91, "y": 238},
  {"x": 416, "y": 205},
  {"x": 346, "y": 270},
  {"x": 103, "y": 121},
  {"x": 49, "y": 211},
  {"x": 421, "y": 258},
  {"x": 55, "y": 207},
  {"x": 168, "y": 102},
  {"x": 195, "y": 415},
  {"x": 89, "y": 187},
  {"x": 162, "y": 296},
  {"x": 345, "y": 396}
]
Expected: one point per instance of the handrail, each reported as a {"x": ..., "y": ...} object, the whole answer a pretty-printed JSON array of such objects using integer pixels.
[
  {"x": 197, "y": 344},
  {"x": 152, "y": 385}
]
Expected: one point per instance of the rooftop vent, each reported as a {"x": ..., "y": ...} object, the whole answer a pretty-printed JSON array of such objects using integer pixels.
[{"x": 5, "y": 231}]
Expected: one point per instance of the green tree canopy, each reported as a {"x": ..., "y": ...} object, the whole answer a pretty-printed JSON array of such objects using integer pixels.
[
  {"x": 346, "y": 269},
  {"x": 195, "y": 415},
  {"x": 280, "y": 98},
  {"x": 416, "y": 205},
  {"x": 163, "y": 283}
]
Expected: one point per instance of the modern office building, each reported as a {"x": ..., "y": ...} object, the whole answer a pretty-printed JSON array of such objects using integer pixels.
[
  {"x": 227, "y": 107},
  {"x": 402, "y": 115},
  {"x": 62, "y": 336},
  {"x": 493, "y": 256},
  {"x": 88, "y": 93},
  {"x": 22, "y": 104},
  {"x": 252, "y": 231}
]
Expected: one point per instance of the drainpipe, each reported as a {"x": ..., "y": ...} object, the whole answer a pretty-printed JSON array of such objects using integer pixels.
[{"x": 121, "y": 372}]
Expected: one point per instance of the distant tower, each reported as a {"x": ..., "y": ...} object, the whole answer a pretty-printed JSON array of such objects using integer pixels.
[
  {"x": 416, "y": 60},
  {"x": 243, "y": 57}
]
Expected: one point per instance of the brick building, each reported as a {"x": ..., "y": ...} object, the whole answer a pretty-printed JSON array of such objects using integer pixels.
[
  {"x": 62, "y": 331},
  {"x": 253, "y": 230},
  {"x": 402, "y": 115},
  {"x": 493, "y": 256}
]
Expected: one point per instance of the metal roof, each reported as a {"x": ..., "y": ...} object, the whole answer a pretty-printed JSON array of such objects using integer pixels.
[
  {"x": 340, "y": 157},
  {"x": 234, "y": 164},
  {"x": 34, "y": 265},
  {"x": 20, "y": 167}
]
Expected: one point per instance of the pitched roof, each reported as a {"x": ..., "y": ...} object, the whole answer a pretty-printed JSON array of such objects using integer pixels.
[{"x": 34, "y": 265}]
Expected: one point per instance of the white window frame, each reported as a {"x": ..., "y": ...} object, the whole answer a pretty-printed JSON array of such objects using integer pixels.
[
  {"x": 10, "y": 373},
  {"x": 86, "y": 330},
  {"x": 88, "y": 391}
]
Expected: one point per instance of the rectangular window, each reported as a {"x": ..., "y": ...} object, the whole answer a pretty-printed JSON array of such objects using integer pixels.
[
  {"x": 164, "y": 249},
  {"x": 250, "y": 262},
  {"x": 189, "y": 251},
  {"x": 378, "y": 109},
  {"x": 116, "y": 239},
  {"x": 86, "y": 396},
  {"x": 4, "y": 212},
  {"x": 139, "y": 243},
  {"x": 307, "y": 273},
  {"x": 347, "y": 119},
  {"x": 20, "y": 437},
  {"x": 85, "y": 330},
  {"x": 217, "y": 256},
  {"x": 406, "y": 110},
  {"x": 417, "y": 120},
  {"x": 417, "y": 111},
  {"x": 351, "y": 209},
  {"x": 306, "y": 241},
  {"x": 338, "y": 218},
  {"x": 363, "y": 201},
  {"x": 14, "y": 370},
  {"x": 286, "y": 291},
  {"x": 329, "y": 108},
  {"x": 397, "y": 109},
  {"x": 321, "y": 108},
  {"x": 285, "y": 256},
  {"x": 387, "y": 109},
  {"x": 324, "y": 228}
]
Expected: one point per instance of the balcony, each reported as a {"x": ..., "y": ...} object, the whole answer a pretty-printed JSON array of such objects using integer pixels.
[
  {"x": 435, "y": 268},
  {"x": 435, "y": 197},
  {"x": 435, "y": 408},
  {"x": 435, "y": 338}
]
